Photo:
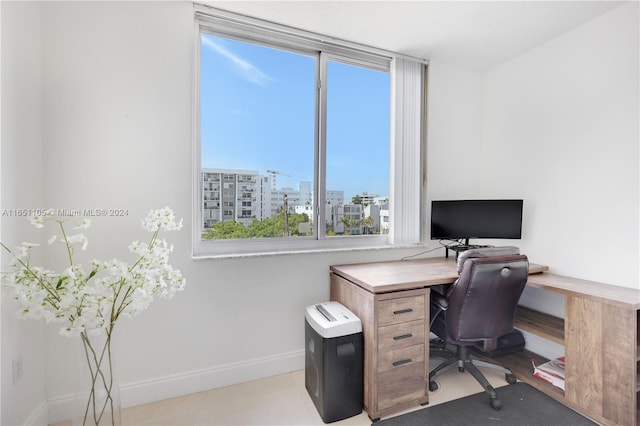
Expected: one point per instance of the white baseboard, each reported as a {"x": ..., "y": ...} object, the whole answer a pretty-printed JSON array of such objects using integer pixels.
[
  {"x": 173, "y": 386},
  {"x": 40, "y": 416}
]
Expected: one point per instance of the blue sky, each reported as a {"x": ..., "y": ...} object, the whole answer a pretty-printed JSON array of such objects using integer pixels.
[{"x": 258, "y": 108}]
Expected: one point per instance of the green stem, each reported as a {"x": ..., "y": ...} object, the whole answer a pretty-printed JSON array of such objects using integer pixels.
[
  {"x": 48, "y": 288},
  {"x": 154, "y": 237},
  {"x": 66, "y": 243},
  {"x": 95, "y": 363},
  {"x": 124, "y": 302}
]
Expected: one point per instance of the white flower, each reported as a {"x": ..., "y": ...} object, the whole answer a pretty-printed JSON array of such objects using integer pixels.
[
  {"x": 25, "y": 249},
  {"x": 22, "y": 252},
  {"x": 77, "y": 239},
  {"x": 83, "y": 225},
  {"x": 88, "y": 301},
  {"x": 37, "y": 221},
  {"x": 71, "y": 331},
  {"x": 161, "y": 219}
]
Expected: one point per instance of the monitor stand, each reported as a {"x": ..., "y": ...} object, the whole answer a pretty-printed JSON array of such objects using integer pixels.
[{"x": 462, "y": 247}]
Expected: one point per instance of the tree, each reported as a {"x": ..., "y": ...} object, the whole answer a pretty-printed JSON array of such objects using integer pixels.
[
  {"x": 294, "y": 224},
  {"x": 270, "y": 227},
  {"x": 356, "y": 199},
  {"x": 347, "y": 224},
  {"x": 225, "y": 230},
  {"x": 367, "y": 223}
]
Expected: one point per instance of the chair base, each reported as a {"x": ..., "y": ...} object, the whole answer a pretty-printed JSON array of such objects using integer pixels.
[{"x": 464, "y": 362}]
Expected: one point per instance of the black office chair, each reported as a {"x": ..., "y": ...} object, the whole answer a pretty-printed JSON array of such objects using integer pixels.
[{"x": 477, "y": 310}]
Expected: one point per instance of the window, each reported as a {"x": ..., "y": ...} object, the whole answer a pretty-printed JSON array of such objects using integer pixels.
[
  {"x": 307, "y": 139},
  {"x": 357, "y": 142}
]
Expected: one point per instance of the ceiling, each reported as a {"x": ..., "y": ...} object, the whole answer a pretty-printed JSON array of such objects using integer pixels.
[{"x": 474, "y": 34}]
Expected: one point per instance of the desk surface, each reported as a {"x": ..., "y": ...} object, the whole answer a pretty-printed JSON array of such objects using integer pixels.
[
  {"x": 605, "y": 293},
  {"x": 382, "y": 277}
]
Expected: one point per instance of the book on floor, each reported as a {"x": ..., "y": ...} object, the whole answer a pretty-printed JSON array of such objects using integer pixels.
[{"x": 551, "y": 371}]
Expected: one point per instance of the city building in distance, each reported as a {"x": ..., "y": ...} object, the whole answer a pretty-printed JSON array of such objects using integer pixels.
[{"x": 242, "y": 196}]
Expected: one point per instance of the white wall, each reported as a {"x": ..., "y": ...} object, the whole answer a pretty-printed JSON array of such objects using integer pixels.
[
  {"x": 21, "y": 187},
  {"x": 560, "y": 129},
  {"x": 116, "y": 133},
  {"x": 454, "y": 132}
]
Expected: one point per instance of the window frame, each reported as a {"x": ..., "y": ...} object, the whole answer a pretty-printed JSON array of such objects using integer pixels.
[{"x": 225, "y": 24}]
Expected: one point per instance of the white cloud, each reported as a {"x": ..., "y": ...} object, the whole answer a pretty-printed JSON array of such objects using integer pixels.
[{"x": 244, "y": 68}]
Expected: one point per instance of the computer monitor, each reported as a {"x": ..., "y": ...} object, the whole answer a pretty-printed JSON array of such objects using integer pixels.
[{"x": 466, "y": 219}]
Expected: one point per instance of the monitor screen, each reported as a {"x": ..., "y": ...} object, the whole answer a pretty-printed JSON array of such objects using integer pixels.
[{"x": 458, "y": 219}]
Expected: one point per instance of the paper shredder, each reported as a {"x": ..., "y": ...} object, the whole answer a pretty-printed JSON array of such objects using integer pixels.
[{"x": 334, "y": 360}]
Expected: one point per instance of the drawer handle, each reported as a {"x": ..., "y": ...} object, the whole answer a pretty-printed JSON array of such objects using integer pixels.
[
  {"x": 403, "y": 311},
  {"x": 402, "y": 361},
  {"x": 403, "y": 336}
]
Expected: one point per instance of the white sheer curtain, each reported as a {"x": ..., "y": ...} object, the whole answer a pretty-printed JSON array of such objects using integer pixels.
[{"x": 407, "y": 150}]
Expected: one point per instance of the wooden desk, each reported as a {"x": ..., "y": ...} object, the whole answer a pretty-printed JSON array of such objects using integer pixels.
[
  {"x": 392, "y": 301},
  {"x": 383, "y": 277},
  {"x": 600, "y": 333}
]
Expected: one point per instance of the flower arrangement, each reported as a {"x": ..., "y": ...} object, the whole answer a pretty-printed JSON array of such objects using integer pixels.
[{"x": 89, "y": 301}]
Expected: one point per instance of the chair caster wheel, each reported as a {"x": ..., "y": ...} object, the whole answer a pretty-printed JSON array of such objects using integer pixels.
[
  {"x": 495, "y": 403},
  {"x": 511, "y": 379},
  {"x": 433, "y": 386}
]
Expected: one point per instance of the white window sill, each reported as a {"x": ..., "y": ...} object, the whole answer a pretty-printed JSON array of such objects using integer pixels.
[{"x": 292, "y": 251}]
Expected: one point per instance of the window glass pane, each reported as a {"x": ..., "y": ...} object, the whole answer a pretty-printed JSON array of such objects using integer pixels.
[
  {"x": 257, "y": 129},
  {"x": 357, "y": 152}
]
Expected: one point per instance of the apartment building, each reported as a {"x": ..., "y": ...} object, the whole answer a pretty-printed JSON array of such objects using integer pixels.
[
  {"x": 244, "y": 195},
  {"x": 234, "y": 195}
]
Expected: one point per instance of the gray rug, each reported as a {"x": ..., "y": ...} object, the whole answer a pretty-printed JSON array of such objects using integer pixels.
[{"x": 522, "y": 405}]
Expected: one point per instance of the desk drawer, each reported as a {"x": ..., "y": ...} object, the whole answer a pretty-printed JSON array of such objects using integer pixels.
[
  {"x": 395, "y": 359},
  {"x": 403, "y": 383},
  {"x": 401, "y": 335},
  {"x": 403, "y": 309}
]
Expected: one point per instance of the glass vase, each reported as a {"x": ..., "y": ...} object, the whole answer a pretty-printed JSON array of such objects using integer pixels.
[{"x": 97, "y": 398}]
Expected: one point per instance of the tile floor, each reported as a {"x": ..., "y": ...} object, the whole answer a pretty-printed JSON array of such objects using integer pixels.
[{"x": 278, "y": 400}]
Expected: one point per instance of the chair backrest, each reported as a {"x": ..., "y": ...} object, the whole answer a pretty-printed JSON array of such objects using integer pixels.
[
  {"x": 483, "y": 301},
  {"x": 485, "y": 252}
]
